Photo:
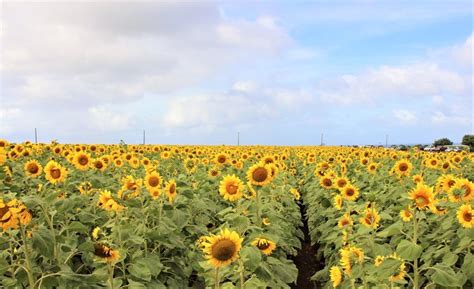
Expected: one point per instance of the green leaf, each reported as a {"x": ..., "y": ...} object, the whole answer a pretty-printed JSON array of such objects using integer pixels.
[
  {"x": 445, "y": 276},
  {"x": 140, "y": 270},
  {"x": 251, "y": 257},
  {"x": 254, "y": 282},
  {"x": 409, "y": 250},
  {"x": 42, "y": 242},
  {"x": 450, "y": 259},
  {"x": 467, "y": 266}
]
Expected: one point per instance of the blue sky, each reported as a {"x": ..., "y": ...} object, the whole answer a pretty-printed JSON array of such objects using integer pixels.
[{"x": 279, "y": 72}]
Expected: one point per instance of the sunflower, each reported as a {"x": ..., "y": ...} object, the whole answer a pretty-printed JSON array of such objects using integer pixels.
[
  {"x": 222, "y": 249},
  {"x": 464, "y": 215},
  {"x": 338, "y": 202},
  {"x": 85, "y": 188},
  {"x": 326, "y": 182},
  {"x": 372, "y": 168},
  {"x": 264, "y": 245},
  {"x": 406, "y": 214},
  {"x": 463, "y": 190},
  {"x": 33, "y": 168},
  {"x": 295, "y": 194},
  {"x": 345, "y": 220},
  {"x": 336, "y": 276},
  {"x": 341, "y": 182},
  {"x": 402, "y": 167},
  {"x": 422, "y": 195},
  {"x": 171, "y": 191},
  {"x": 445, "y": 183},
  {"x": 259, "y": 174},
  {"x": 55, "y": 173},
  {"x": 106, "y": 253},
  {"x": 266, "y": 221},
  {"x": 107, "y": 202},
  {"x": 95, "y": 233},
  {"x": 99, "y": 165},
  {"x": 130, "y": 188},
  {"x": 81, "y": 161},
  {"x": 349, "y": 256},
  {"x": 153, "y": 184},
  {"x": 371, "y": 218},
  {"x": 350, "y": 193},
  {"x": 214, "y": 172},
  {"x": 221, "y": 159},
  {"x": 231, "y": 188},
  {"x": 417, "y": 178}
]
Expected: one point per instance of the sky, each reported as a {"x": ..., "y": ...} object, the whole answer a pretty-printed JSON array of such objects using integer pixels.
[{"x": 199, "y": 72}]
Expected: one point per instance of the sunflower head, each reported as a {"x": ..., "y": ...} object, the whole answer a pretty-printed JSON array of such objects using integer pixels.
[
  {"x": 222, "y": 249},
  {"x": 231, "y": 188},
  {"x": 422, "y": 195},
  {"x": 266, "y": 246},
  {"x": 259, "y": 174},
  {"x": 171, "y": 191},
  {"x": 33, "y": 168},
  {"x": 55, "y": 173},
  {"x": 350, "y": 193},
  {"x": 465, "y": 216},
  {"x": 105, "y": 253}
]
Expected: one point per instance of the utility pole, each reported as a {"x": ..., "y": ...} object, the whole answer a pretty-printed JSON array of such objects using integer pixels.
[
  {"x": 143, "y": 136},
  {"x": 322, "y": 137},
  {"x": 36, "y": 136},
  {"x": 238, "y": 138},
  {"x": 386, "y": 140}
]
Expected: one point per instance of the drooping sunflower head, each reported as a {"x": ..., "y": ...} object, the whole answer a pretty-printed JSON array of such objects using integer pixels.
[
  {"x": 349, "y": 256},
  {"x": 422, "y": 195},
  {"x": 33, "y": 168},
  {"x": 231, "y": 188},
  {"x": 266, "y": 246},
  {"x": 222, "y": 249},
  {"x": 465, "y": 216},
  {"x": 336, "y": 276},
  {"x": 105, "y": 253},
  {"x": 259, "y": 174}
]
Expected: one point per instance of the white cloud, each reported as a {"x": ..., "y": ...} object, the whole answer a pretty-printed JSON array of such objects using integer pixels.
[
  {"x": 245, "y": 86},
  {"x": 441, "y": 118},
  {"x": 405, "y": 116},
  {"x": 437, "y": 99},
  {"x": 417, "y": 80},
  {"x": 108, "y": 120}
]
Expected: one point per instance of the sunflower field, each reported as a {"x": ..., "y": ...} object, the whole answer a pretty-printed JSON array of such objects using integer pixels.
[{"x": 165, "y": 216}]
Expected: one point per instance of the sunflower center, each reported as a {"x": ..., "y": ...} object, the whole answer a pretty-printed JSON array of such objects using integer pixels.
[
  {"x": 341, "y": 183},
  {"x": 223, "y": 250},
  {"x": 83, "y": 160},
  {"x": 33, "y": 168},
  {"x": 3, "y": 211},
  {"x": 101, "y": 251},
  {"x": 403, "y": 167},
  {"x": 172, "y": 188},
  {"x": 421, "y": 201},
  {"x": 231, "y": 188},
  {"x": 451, "y": 183},
  {"x": 99, "y": 165},
  {"x": 467, "y": 216},
  {"x": 327, "y": 182},
  {"x": 153, "y": 181},
  {"x": 56, "y": 173},
  {"x": 221, "y": 159},
  {"x": 263, "y": 245},
  {"x": 260, "y": 174},
  {"x": 350, "y": 192},
  {"x": 468, "y": 190},
  {"x": 344, "y": 222}
]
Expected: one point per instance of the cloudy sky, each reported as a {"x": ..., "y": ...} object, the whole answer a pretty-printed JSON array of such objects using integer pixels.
[{"x": 197, "y": 72}]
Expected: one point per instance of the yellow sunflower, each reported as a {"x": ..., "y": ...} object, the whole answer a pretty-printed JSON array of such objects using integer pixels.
[
  {"x": 264, "y": 245},
  {"x": 422, "y": 195},
  {"x": 406, "y": 214},
  {"x": 33, "y": 168},
  {"x": 81, "y": 161},
  {"x": 371, "y": 218},
  {"x": 464, "y": 215},
  {"x": 222, "y": 249},
  {"x": 153, "y": 184},
  {"x": 55, "y": 173},
  {"x": 350, "y": 193},
  {"x": 349, "y": 256},
  {"x": 171, "y": 191},
  {"x": 463, "y": 190},
  {"x": 231, "y": 188},
  {"x": 402, "y": 167},
  {"x": 336, "y": 276},
  {"x": 338, "y": 202},
  {"x": 346, "y": 220},
  {"x": 326, "y": 182},
  {"x": 259, "y": 174},
  {"x": 341, "y": 182}
]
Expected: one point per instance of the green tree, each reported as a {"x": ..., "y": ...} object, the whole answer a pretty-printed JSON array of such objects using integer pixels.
[
  {"x": 468, "y": 140},
  {"x": 442, "y": 142}
]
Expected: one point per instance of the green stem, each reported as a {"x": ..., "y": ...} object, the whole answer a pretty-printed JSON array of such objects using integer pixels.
[
  {"x": 241, "y": 273},
  {"x": 110, "y": 268},
  {"x": 257, "y": 196},
  {"x": 216, "y": 279},
  {"x": 415, "y": 262},
  {"x": 31, "y": 279},
  {"x": 49, "y": 220}
]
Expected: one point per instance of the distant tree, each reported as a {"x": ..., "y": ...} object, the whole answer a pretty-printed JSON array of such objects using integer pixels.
[
  {"x": 442, "y": 142},
  {"x": 468, "y": 140}
]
